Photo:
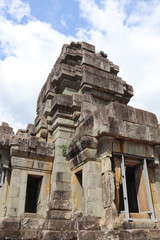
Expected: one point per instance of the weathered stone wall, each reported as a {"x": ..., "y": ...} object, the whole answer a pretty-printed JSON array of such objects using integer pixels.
[{"x": 82, "y": 138}]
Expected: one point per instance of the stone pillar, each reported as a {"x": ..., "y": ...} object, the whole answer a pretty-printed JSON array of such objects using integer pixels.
[
  {"x": 154, "y": 177},
  {"x": 108, "y": 182},
  {"x": 92, "y": 184},
  {"x": 14, "y": 196},
  {"x": 105, "y": 150},
  {"x": 3, "y": 197},
  {"x": 110, "y": 212},
  {"x": 60, "y": 204}
]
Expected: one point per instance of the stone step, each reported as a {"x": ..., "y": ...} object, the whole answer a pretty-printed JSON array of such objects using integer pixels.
[
  {"x": 18, "y": 235},
  {"x": 101, "y": 235},
  {"x": 59, "y": 214},
  {"x": 57, "y": 225}
]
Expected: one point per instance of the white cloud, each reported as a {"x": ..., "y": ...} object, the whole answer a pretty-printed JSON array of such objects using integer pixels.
[
  {"x": 15, "y": 8},
  {"x": 19, "y": 9},
  {"x": 7, "y": 116},
  {"x": 29, "y": 52},
  {"x": 130, "y": 34},
  {"x": 63, "y": 22}
]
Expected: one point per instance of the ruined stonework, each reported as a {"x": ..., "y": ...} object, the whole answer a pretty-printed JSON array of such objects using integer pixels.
[{"x": 88, "y": 168}]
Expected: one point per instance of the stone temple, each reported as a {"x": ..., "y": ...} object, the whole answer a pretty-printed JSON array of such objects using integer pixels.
[{"x": 88, "y": 168}]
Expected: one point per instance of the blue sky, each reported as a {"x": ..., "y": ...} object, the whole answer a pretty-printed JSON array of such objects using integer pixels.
[
  {"x": 32, "y": 33},
  {"x": 59, "y": 13}
]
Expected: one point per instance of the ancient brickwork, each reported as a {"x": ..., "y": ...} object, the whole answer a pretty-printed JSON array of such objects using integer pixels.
[{"x": 88, "y": 168}]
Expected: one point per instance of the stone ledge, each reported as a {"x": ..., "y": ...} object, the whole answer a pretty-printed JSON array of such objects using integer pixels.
[
  {"x": 10, "y": 223},
  {"x": 18, "y": 235},
  {"x": 59, "y": 214},
  {"x": 101, "y": 235}
]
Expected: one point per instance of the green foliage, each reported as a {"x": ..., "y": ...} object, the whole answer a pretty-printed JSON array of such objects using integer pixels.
[{"x": 64, "y": 150}]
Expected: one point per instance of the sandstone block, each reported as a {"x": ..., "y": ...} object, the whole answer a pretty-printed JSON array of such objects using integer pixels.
[
  {"x": 60, "y": 204},
  {"x": 61, "y": 186},
  {"x": 62, "y": 177},
  {"x": 108, "y": 189},
  {"x": 57, "y": 225},
  {"x": 59, "y": 214},
  {"x": 93, "y": 194},
  {"x": 60, "y": 167},
  {"x": 93, "y": 208},
  {"x": 88, "y": 223},
  {"x": 65, "y": 195},
  {"x": 10, "y": 224},
  {"x": 92, "y": 166},
  {"x": 92, "y": 180}
]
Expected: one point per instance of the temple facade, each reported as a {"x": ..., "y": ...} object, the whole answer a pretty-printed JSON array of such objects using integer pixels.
[{"x": 88, "y": 168}]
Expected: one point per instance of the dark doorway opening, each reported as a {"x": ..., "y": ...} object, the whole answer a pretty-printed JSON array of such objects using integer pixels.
[
  {"x": 32, "y": 193},
  {"x": 79, "y": 177},
  {"x": 78, "y": 193},
  {"x": 131, "y": 190},
  {"x": 121, "y": 199}
]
